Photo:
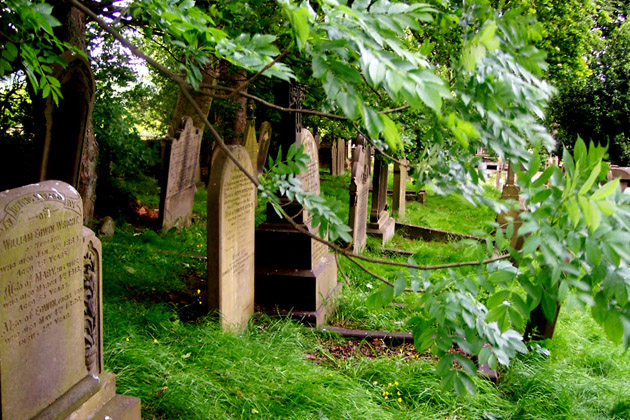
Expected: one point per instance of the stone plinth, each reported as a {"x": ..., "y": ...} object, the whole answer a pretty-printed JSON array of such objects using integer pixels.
[
  {"x": 295, "y": 273},
  {"x": 50, "y": 287}
]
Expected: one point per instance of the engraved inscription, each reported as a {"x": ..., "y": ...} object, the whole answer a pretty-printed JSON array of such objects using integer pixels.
[{"x": 183, "y": 160}]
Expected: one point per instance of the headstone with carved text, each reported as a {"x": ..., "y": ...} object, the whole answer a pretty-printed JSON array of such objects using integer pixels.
[
  {"x": 181, "y": 159},
  {"x": 231, "y": 225},
  {"x": 50, "y": 310}
]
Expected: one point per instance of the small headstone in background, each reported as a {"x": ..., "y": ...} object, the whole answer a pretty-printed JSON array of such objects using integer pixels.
[
  {"x": 106, "y": 228},
  {"x": 50, "y": 310},
  {"x": 251, "y": 145},
  {"x": 178, "y": 186},
  {"x": 381, "y": 223},
  {"x": 326, "y": 156},
  {"x": 400, "y": 189},
  {"x": 231, "y": 224},
  {"x": 499, "y": 180},
  {"x": 359, "y": 192},
  {"x": 263, "y": 146}
]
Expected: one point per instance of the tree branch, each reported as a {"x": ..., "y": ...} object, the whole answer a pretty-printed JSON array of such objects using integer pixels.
[
  {"x": 246, "y": 83},
  {"x": 181, "y": 82},
  {"x": 381, "y": 151}
]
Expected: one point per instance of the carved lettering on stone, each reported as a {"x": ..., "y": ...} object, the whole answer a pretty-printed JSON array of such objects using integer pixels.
[
  {"x": 231, "y": 226},
  {"x": 42, "y": 298}
]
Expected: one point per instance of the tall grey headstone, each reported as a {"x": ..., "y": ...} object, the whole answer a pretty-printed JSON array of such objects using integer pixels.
[
  {"x": 181, "y": 159},
  {"x": 50, "y": 309}
]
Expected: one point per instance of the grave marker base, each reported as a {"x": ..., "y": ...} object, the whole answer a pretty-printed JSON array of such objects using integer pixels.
[{"x": 384, "y": 228}]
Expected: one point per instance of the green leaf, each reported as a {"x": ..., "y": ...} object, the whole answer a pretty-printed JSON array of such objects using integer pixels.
[
  {"x": 430, "y": 96},
  {"x": 377, "y": 71},
  {"x": 544, "y": 177},
  {"x": 387, "y": 295},
  {"x": 372, "y": 121},
  {"x": 531, "y": 244},
  {"x": 390, "y": 132},
  {"x": 613, "y": 326},
  {"x": 605, "y": 190},
  {"x": 591, "y": 179},
  {"x": 579, "y": 151},
  {"x": 399, "y": 286},
  {"x": 593, "y": 252},
  {"x": 573, "y": 210},
  {"x": 498, "y": 298},
  {"x": 567, "y": 162},
  {"x": 549, "y": 306},
  {"x": 607, "y": 207}
]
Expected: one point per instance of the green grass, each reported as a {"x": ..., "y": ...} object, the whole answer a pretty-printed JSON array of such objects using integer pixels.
[{"x": 180, "y": 369}]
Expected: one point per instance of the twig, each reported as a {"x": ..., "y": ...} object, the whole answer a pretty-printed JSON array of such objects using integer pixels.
[
  {"x": 181, "y": 82},
  {"x": 184, "y": 89},
  {"x": 345, "y": 278},
  {"x": 381, "y": 151},
  {"x": 246, "y": 83},
  {"x": 380, "y": 98}
]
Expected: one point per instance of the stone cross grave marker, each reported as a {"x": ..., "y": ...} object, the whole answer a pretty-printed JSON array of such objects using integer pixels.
[
  {"x": 50, "y": 309},
  {"x": 181, "y": 159},
  {"x": 263, "y": 146},
  {"x": 381, "y": 223},
  {"x": 400, "y": 189},
  {"x": 231, "y": 224},
  {"x": 359, "y": 191}
]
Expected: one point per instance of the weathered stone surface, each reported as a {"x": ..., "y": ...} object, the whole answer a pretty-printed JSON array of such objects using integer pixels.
[
  {"x": 341, "y": 157},
  {"x": 400, "y": 189},
  {"x": 181, "y": 159},
  {"x": 251, "y": 144},
  {"x": 41, "y": 283},
  {"x": 263, "y": 146},
  {"x": 381, "y": 223},
  {"x": 107, "y": 227},
  {"x": 359, "y": 194},
  {"x": 622, "y": 173},
  {"x": 231, "y": 224},
  {"x": 50, "y": 305}
]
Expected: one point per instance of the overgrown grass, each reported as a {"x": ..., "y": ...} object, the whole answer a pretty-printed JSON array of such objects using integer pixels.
[{"x": 193, "y": 370}]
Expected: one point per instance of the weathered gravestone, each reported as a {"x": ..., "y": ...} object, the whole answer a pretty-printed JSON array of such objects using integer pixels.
[
  {"x": 327, "y": 153},
  {"x": 50, "y": 312},
  {"x": 381, "y": 223},
  {"x": 400, "y": 189},
  {"x": 359, "y": 191},
  {"x": 340, "y": 158},
  {"x": 231, "y": 217},
  {"x": 263, "y": 146},
  {"x": 179, "y": 169},
  {"x": 294, "y": 273},
  {"x": 251, "y": 145},
  {"x": 622, "y": 173}
]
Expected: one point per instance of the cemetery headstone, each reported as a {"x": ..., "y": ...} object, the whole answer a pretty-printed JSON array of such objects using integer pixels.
[
  {"x": 251, "y": 144},
  {"x": 181, "y": 159},
  {"x": 231, "y": 225},
  {"x": 263, "y": 146},
  {"x": 622, "y": 173},
  {"x": 340, "y": 157},
  {"x": 51, "y": 336},
  {"x": 400, "y": 189},
  {"x": 295, "y": 274},
  {"x": 327, "y": 154},
  {"x": 359, "y": 191},
  {"x": 381, "y": 223},
  {"x": 499, "y": 180}
]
